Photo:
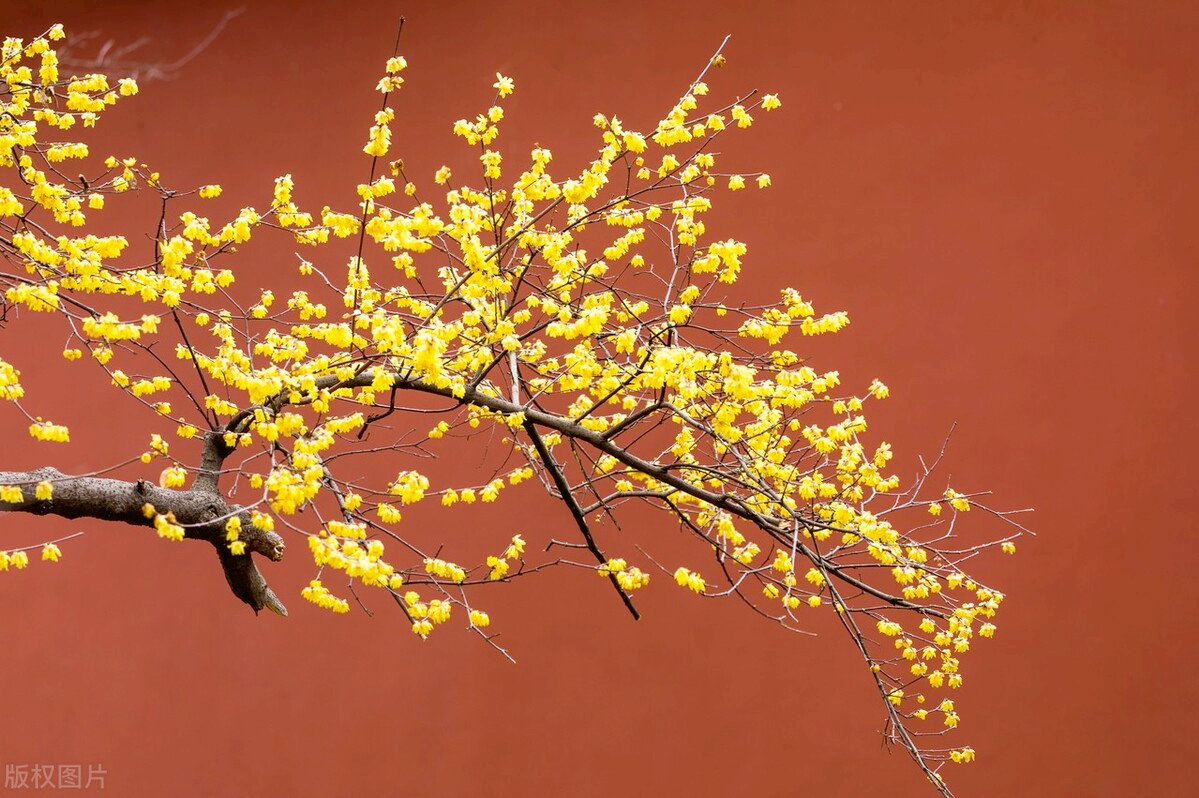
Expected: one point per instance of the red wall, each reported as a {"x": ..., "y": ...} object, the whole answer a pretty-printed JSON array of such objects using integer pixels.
[{"x": 1000, "y": 194}]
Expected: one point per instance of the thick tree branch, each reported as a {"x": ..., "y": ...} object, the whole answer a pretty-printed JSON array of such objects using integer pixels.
[
  {"x": 211, "y": 460},
  {"x": 202, "y": 513}
]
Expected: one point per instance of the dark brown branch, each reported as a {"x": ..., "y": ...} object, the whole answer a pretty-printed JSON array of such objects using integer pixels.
[
  {"x": 564, "y": 491},
  {"x": 201, "y": 513},
  {"x": 211, "y": 460},
  {"x": 391, "y": 408}
]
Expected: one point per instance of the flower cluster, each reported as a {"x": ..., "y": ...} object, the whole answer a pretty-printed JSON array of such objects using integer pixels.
[{"x": 578, "y": 318}]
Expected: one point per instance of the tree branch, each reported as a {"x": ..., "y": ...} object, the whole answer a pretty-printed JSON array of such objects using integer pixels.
[
  {"x": 201, "y": 513},
  {"x": 547, "y": 458}
]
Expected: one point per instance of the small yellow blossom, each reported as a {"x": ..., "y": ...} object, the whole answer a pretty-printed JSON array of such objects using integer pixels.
[{"x": 690, "y": 580}]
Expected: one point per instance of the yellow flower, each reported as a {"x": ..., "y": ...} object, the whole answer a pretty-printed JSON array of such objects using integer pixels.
[
  {"x": 964, "y": 755},
  {"x": 380, "y": 140},
  {"x": 45, "y": 431},
  {"x": 498, "y": 566},
  {"x": 173, "y": 477},
  {"x": 410, "y": 486},
  {"x": 690, "y": 580},
  {"x": 889, "y": 628},
  {"x": 516, "y": 549},
  {"x": 51, "y": 552},
  {"x": 167, "y": 528}
]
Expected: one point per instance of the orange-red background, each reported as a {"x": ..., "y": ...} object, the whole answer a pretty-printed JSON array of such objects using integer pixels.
[{"x": 1000, "y": 194}]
